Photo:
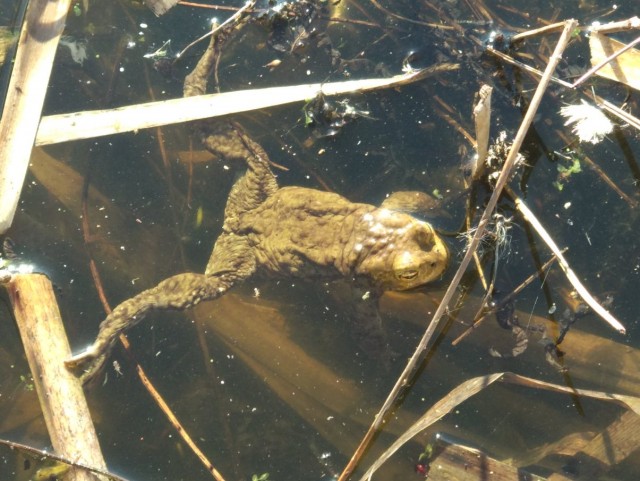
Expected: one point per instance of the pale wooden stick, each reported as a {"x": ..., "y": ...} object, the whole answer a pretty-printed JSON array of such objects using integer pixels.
[
  {"x": 64, "y": 406},
  {"x": 571, "y": 276},
  {"x": 409, "y": 370},
  {"x": 84, "y": 125},
  {"x": 37, "y": 45}
]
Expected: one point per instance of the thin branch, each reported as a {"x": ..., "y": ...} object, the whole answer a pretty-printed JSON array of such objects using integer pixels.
[
  {"x": 612, "y": 27},
  {"x": 47, "y": 455},
  {"x": 212, "y": 7},
  {"x": 248, "y": 7},
  {"x": 524, "y": 66}
]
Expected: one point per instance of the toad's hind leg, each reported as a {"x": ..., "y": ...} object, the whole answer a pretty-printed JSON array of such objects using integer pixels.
[
  {"x": 256, "y": 184},
  {"x": 178, "y": 292}
]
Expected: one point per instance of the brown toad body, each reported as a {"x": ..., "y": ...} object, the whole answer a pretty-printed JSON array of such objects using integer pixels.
[{"x": 289, "y": 232}]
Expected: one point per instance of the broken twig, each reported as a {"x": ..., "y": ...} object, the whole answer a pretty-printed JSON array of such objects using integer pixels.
[
  {"x": 482, "y": 117},
  {"x": 571, "y": 276}
]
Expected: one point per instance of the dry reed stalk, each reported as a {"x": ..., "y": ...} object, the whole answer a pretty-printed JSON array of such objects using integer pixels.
[
  {"x": 83, "y": 125},
  {"x": 37, "y": 46}
]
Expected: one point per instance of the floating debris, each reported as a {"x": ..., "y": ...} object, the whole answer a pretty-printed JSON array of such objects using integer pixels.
[
  {"x": 496, "y": 157},
  {"x": 591, "y": 125},
  {"x": 326, "y": 118},
  {"x": 77, "y": 48},
  {"x": 162, "y": 52}
]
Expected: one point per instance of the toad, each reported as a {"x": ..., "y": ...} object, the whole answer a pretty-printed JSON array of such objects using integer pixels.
[{"x": 284, "y": 232}]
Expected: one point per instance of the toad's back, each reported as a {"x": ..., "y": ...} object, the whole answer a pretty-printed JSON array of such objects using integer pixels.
[{"x": 305, "y": 233}]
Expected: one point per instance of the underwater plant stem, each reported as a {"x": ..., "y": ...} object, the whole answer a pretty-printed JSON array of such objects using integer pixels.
[
  {"x": 63, "y": 404},
  {"x": 407, "y": 374},
  {"x": 571, "y": 275}
]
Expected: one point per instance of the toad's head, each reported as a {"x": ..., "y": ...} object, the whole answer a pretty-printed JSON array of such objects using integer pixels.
[{"x": 401, "y": 252}]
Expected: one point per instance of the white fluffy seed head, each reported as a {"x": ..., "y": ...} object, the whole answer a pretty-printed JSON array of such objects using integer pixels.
[{"x": 590, "y": 124}]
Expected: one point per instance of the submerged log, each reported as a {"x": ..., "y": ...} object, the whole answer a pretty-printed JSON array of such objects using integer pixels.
[
  {"x": 462, "y": 463},
  {"x": 595, "y": 362},
  {"x": 615, "y": 444}
]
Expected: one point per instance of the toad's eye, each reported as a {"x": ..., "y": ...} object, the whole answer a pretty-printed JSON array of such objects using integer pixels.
[{"x": 407, "y": 274}]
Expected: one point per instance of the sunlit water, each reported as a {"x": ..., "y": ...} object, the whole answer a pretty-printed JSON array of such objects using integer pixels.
[{"x": 149, "y": 220}]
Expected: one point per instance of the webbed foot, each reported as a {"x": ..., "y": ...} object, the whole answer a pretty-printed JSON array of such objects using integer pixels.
[{"x": 87, "y": 365}]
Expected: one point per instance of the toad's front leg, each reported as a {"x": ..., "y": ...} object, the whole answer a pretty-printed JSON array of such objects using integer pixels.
[{"x": 176, "y": 293}]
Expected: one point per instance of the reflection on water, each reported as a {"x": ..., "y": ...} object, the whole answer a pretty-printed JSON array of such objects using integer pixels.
[{"x": 268, "y": 379}]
